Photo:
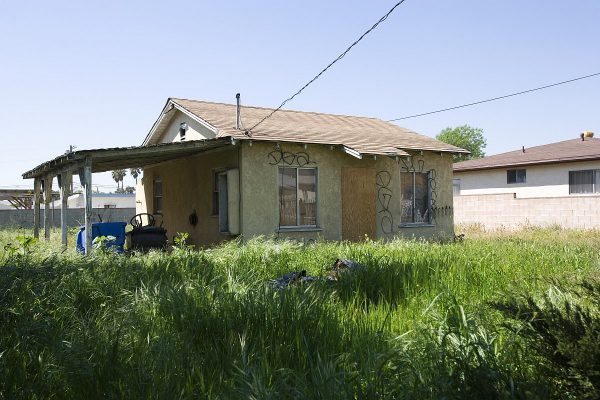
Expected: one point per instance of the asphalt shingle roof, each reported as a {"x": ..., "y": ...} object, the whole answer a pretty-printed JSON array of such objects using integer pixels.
[
  {"x": 565, "y": 151},
  {"x": 365, "y": 135}
]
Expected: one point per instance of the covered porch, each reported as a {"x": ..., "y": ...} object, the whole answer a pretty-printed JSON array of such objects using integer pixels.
[{"x": 84, "y": 163}]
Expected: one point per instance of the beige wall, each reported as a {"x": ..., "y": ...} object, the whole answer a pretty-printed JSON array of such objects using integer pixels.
[
  {"x": 506, "y": 211},
  {"x": 549, "y": 180},
  {"x": 100, "y": 200},
  {"x": 260, "y": 191},
  {"x": 195, "y": 130},
  {"x": 188, "y": 186}
]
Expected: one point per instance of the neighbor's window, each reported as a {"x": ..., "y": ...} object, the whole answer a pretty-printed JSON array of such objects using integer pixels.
[
  {"x": 297, "y": 196},
  {"x": 158, "y": 197},
  {"x": 516, "y": 176},
  {"x": 456, "y": 187},
  {"x": 110, "y": 206},
  {"x": 587, "y": 181},
  {"x": 416, "y": 206}
]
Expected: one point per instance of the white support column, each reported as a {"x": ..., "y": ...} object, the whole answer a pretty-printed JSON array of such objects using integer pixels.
[
  {"x": 64, "y": 181},
  {"x": 37, "y": 188},
  {"x": 47, "y": 209},
  {"x": 85, "y": 177}
]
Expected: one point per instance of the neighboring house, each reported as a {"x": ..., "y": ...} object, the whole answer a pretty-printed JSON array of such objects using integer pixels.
[
  {"x": 298, "y": 175},
  {"x": 101, "y": 200},
  {"x": 552, "y": 184}
]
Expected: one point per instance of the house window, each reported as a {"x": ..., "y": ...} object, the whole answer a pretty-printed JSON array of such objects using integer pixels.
[
  {"x": 297, "y": 196},
  {"x": 456, "y": 187},
  {"x": 110, "y": 206},
  {"x": 183, "y": 127},
  {"x": 586, "y": 181},
  {"x": 158, "y": 197},
  {"x": 222, "y": 202},
  {"x": 516, "y": 176},
  {"x": 215, "y": 193},
  {"x": 416, "y": 201}
]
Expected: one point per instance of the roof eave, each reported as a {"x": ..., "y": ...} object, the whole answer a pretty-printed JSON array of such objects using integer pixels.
[
  {"x": 77, "y": 158},
  {"x": 536, "y": 162}
]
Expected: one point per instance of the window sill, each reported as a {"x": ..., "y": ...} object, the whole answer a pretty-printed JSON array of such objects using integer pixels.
[
  {"x": 283, "y": 229},
  {"x": 416, "y": 226}
]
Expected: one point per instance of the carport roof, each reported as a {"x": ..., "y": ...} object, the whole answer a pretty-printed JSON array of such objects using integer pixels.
[{"x": 124, "y": 157}]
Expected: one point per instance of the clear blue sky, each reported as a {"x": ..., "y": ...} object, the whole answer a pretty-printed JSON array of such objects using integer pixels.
[{"x": 96, "y": 73}]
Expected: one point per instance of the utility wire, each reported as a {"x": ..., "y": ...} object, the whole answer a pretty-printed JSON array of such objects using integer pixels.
[
  {"x": 328, "y": 66},
  {"x": 495, "y": 98}
]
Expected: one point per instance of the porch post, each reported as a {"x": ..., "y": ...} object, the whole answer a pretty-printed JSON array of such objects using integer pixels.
[
  {"x": 37, "y": 185},
  {"x": 85, "y": 177},
  {"x": 47, "y": 210},
  {"x": 64, "y": 181}
]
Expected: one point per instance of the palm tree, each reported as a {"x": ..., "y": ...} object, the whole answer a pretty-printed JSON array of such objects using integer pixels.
[
  {"x": 118, "y": 175},
  {"x": 135, "y": 172}
]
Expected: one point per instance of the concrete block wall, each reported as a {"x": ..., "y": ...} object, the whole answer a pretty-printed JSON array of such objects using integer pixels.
[
  {"x": 494, "y": 211},
  {"x": 75, "y": 217}
]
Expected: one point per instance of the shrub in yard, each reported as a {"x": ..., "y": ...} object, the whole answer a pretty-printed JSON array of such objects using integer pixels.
[{"x": 564, "y": 330}]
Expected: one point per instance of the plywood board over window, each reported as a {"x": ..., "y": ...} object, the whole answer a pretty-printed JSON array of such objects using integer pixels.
[{"x": 358, "y": 203}]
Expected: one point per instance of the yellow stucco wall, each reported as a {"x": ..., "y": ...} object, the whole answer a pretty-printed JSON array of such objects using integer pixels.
[
  {"x": 260, "y": 191},
  {"x": 187, "y": 187}
]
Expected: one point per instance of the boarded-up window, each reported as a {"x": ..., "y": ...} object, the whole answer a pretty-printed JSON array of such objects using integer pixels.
[
  {"x": 297, "y": 196},
  {"x": 586, "y": 181},
  {"x": 158, "y": 196},
  {"x": 416, "y": 207}
]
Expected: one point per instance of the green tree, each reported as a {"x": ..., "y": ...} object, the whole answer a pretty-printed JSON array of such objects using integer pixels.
[
  {"x": 118, "y": 176},
  {"x": 135, "y": 172},
  {"x": 465, "y": 137}
]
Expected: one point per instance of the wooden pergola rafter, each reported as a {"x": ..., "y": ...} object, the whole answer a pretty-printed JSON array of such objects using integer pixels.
[{"x": 85, "y": 162}]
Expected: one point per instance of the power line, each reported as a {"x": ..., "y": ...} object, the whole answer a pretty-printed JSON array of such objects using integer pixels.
[
  {"x": 328, "y": 66},
  {"x": 495, "y": 98}
]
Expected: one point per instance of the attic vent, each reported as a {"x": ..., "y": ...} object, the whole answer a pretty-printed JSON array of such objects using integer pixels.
[{"x": 183, "y": 127}]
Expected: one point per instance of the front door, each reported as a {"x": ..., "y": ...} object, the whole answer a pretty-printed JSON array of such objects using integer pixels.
[{"x": 358, "y": 203}]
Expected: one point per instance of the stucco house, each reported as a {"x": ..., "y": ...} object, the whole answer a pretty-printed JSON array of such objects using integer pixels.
[
  {"x": 298, "y": 175},
  {"x": 551, "y": 184},
  {"x": 220, "y": 171}
]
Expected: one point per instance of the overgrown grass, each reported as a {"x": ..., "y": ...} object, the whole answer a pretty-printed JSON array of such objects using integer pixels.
[{"x": 414, "y": 323}]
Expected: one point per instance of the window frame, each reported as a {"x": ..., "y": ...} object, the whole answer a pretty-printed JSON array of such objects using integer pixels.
[
  {"x": 595, "y": 187},
  {"x": 283, "y": 227},
  {"x": 429, "y": 221},
  {"x": 456, "y": 187},
  {"x": 183, "y": 127},
  {"x": 516, "y": 172},
  {"x": 154, "y": 197},
  {"x": 214, "y": 212}
]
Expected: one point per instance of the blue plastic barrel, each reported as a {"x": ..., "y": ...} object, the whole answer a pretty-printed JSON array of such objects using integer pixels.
[{"x": 116, "y": 229}]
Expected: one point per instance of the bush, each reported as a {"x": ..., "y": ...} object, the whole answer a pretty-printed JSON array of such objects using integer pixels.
[{"x": 563, "y": 329}]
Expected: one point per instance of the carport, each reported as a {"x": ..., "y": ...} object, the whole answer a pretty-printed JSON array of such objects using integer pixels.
[{"x": 85, "y": 162}]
